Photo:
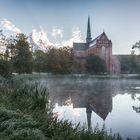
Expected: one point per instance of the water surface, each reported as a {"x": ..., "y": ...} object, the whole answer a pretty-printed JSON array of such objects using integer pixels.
[{"x": 90, "y": 101}]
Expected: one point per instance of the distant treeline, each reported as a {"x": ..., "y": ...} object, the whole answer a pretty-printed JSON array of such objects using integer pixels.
[
  {"x": 18, "y": 57},
  {"x": 130, "y": 64}
]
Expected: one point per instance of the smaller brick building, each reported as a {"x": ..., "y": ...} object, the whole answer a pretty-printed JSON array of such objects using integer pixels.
[{"x": 100, "y": 46}]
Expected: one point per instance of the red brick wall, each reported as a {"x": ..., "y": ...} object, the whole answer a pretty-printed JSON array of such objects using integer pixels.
[{"x": 103, "y": 49}]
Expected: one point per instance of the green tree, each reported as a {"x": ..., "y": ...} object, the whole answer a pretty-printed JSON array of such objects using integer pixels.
[
  {"x": 137, "y": 46},
  {"x": 95, "y": 65},
  {"x": 125, "y": 63},
  {"x": 65, "y": 60},
  {"x": 40, "y": 61},
  {"x": 3, "y": 43},
  {"x": 79, "y": 66},
  {"x": 59, "y": 60},
  {"x": 133, "y": 63},
  {"x": 22, "y": 58},
  {"x": 5, "y": 68}
]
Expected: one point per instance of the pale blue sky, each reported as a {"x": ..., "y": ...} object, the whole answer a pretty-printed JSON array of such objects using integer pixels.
[{"x": 119, "y": 18}]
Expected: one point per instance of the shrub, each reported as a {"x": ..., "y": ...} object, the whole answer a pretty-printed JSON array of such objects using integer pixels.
[{"x": 16, "y": 126}]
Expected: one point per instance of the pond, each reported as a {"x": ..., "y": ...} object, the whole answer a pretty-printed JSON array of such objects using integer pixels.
[{"x": 114, "y": 103}]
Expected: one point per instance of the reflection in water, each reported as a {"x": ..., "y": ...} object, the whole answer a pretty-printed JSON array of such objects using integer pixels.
[
  {"x": 89, "y": 112},
  {"x": 95, "y": 96},
  {"x": 91, "y": 94},
  {"x": 137, "y": 109}
]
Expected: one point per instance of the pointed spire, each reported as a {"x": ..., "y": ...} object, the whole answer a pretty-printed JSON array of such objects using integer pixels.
[{"x": 88, "y": 38}]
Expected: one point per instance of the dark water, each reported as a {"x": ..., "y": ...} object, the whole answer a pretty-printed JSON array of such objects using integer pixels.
[{"x": 115, "y": 103}]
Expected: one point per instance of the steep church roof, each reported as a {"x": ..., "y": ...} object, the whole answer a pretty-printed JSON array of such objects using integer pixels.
[{"x": 95, "y": 40}]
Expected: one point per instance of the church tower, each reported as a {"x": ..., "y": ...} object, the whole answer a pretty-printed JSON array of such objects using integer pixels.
[{"x": 88, "y": 38}]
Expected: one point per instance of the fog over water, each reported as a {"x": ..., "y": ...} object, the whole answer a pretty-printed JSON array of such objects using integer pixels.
[{"x": 91, "y": 101}]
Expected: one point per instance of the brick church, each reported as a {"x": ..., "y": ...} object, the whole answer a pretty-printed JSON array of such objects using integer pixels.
[{"x": 100, "y": 46}]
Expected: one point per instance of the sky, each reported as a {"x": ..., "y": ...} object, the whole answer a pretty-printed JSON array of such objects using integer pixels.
[{"x": 61, "y": 22}]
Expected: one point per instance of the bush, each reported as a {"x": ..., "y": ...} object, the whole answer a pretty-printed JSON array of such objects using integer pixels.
[{"x": 16, "y": 126}]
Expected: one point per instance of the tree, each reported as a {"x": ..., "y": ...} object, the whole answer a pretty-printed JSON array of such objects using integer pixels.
[
  {"x": 125, "y": 63},
  {"x": 59, "y": 60},
  {"x": 22, "y": 58},
  {"x": 136, "y": 45},
  {"x": 5, "y": 68},
  {"x": 79, "y": 66},
  {"x": 40, "y": 61},
  {"x": 95, "y": 65},
  {"x": 65, "y": 60},
  {"x": 133, "y": 63},
  {"x": 3, "y": 45}
]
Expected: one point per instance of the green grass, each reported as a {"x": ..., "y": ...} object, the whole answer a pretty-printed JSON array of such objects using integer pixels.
[{"x": 26, "y": 114}]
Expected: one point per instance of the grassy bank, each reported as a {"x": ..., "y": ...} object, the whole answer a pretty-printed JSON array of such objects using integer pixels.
[{"x": 26, "y": 114}]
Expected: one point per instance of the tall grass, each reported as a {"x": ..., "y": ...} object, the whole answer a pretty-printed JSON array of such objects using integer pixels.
[{"x": 26, "y": 114}]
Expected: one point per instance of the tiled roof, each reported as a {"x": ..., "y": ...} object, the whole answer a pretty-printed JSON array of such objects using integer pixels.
[
  {"x": 93, "y": 42},
  {"x": 80, "y": 46},
  {"x": 84, "y": 46}
]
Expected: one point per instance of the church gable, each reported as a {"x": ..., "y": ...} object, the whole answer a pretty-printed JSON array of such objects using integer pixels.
[
  {"x": 103, "y": 41},
  {"x": 103, "y": 36}
]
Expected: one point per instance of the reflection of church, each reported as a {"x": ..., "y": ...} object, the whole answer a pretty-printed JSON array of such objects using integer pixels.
[
  {"x": 82, "y": 96},
  {"x": 100, "y": 103},
  {"x": 100, "y": 46},
  {"x": 94, "y": 95}
]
